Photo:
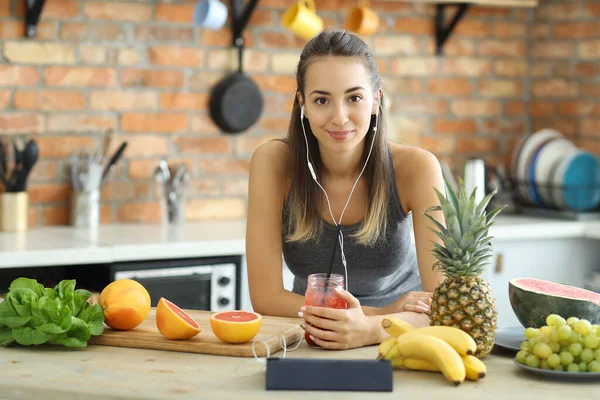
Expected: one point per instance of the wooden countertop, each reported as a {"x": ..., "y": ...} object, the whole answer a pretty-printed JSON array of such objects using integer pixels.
[{"x": 99, "y": 372}]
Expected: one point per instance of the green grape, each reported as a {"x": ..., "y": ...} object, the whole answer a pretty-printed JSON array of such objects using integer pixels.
[
  {"x": 572, "y": 320},
  {"x": 573, "y": 367},
  {"x": 546, "y": 330},
  {"x": 559, "y": 367},
  {"x": 532, "y": 343},
  {"x": 576, "y": 337},
  {"x": 564, "y": 332},
  {"x": 542, "y": 350},
  {"x": 544, "y": 364},
  {"x": 554, "y": 335},
  {"x": 555, "y": 320},
  {"x": 582, "y": 326},
  {"x": 583, "y": 367},
  {"x": 575, "y": 349},
  {"x": 591, "y": 341},
  {"x": 522, "y": 356},
  {"x": 597, "y": 355},
  {"x": 566, "y": 358},
  {"x": 594, "y": 366},
  {"x": 525, "y": 345},
  {"x": 533, "y": 361},
  {"x": 587, "y": 355},
  {"x": 555, "y": 347},
  {"x": 530, "y": 333},
  {"x": 553, "y": 360},
  {"x": 564, "y": 348}
]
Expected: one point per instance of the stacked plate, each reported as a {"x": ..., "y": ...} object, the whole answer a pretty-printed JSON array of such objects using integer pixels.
[{"x": 550, "y": 171}]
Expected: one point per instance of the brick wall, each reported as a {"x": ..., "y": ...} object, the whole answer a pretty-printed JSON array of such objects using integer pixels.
[
  {"x": 565, "y": 70},
  {"x": 141, "y": 68}
]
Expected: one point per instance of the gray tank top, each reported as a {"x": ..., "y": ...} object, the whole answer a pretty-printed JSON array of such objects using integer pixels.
[{"x": 378, "y": 275}]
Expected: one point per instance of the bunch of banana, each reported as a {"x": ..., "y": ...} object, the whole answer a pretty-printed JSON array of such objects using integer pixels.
[{"x": 433, "y": 348}]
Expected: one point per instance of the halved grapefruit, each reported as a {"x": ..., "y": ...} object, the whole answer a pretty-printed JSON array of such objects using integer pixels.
[
  {"x": 235, "y": 326},
  {"x": 173, "y": 323}
]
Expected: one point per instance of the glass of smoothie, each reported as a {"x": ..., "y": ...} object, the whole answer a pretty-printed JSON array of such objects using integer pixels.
[{"x": 320, "y": 293}]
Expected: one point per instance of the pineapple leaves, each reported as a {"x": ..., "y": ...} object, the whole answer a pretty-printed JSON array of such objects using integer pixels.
[
  {"x": 494, "y": 213},
  {"x": 441, "y": 227},
  {"x": 483, "y": 204},
  {"x": 451, "y": 195},
  {"x": 466, "y": 248}
]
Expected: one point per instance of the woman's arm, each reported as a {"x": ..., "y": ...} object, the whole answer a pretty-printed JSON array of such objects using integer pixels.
[
  {"x": 426, "y": 174},
  {"x": 263, "y": 233}
]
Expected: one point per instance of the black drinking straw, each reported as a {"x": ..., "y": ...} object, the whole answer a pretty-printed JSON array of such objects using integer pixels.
[{"x": 337, "y": 235}]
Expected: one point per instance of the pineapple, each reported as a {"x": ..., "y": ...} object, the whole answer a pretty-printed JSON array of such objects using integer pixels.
[{"x": 464, "y": 300}]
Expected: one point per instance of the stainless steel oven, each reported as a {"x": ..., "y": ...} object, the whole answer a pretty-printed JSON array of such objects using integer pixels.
[{"x": 211, "y": 284}]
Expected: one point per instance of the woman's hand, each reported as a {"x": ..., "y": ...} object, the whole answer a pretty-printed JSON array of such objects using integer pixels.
[
  {"x": 419, "y": 302},
  {"x": 338, "y": 329}
]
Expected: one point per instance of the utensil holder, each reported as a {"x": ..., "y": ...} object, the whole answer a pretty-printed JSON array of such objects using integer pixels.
[
  {"x": 173, "y": 208},
  {"x": 85, "y": 209},
  {"x": 14, "y": 209}
]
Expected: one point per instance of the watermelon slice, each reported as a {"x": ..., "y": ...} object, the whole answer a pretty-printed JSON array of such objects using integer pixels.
[{"x": 533, "y": 300}]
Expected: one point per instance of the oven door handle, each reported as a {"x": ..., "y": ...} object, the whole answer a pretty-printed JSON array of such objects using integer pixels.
[{"x": 164, "y": 272}]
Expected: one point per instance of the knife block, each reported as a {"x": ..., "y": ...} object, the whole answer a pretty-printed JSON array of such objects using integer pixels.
[{"x": 14, "y": 209}]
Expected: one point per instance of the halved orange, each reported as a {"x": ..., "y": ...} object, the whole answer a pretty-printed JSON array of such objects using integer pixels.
[
  {"x": 174, "y": 323},
  {"x": 235, "y": 326}
]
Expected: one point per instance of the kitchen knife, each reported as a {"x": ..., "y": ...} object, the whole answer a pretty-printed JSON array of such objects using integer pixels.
[{"x": 114, "y": 159}]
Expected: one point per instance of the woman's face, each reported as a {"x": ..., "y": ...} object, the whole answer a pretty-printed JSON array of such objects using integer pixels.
[{"x": 338, "y": 102}]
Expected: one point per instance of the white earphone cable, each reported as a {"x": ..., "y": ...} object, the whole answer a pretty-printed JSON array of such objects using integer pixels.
[{"x": 314, "y": 176}]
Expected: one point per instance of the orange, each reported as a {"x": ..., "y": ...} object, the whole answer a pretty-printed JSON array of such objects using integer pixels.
[
  {"x": 126, "y": 304},
  {"x": 235, "y": 326},
  {"x": 173, "y": 323}
]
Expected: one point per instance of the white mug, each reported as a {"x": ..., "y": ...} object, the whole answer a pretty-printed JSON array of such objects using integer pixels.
[
  {"x": 475, "y": 178},
  {"x": 210, "y": 14}
]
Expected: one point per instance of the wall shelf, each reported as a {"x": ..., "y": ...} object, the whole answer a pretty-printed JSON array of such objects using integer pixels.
[{"x": 443, "y": 30}]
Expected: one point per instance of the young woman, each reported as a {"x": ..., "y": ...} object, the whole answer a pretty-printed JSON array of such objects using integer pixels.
[{"x": 337, "y": 169}]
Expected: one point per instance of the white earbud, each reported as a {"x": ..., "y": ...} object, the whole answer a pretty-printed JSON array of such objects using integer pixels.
[{"x": 310, "y": 167}]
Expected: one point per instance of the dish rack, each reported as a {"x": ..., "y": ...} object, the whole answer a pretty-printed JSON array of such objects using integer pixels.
[{"x": 572, "y": 202}]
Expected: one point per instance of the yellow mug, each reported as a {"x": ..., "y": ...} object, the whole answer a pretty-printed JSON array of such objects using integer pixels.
[
  {"x": 302, "y": 19},
  {"x": 362, "y": 19}
]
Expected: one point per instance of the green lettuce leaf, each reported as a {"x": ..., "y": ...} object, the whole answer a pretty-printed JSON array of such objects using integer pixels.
[
  {"x": 28, "y": 336},
  {"x": 93, "y": 316},
  {"x": 6, "y": 337}
]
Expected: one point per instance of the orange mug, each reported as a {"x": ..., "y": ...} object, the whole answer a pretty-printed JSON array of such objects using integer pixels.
[
  {"x": 362, "y": 19},
  {"x": 302, "y": 19}
]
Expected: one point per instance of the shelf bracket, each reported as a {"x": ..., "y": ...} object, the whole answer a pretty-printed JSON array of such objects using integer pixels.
[
  {"x": 34, "y": 10},
  {"x": 240, "y": 19},
  {"x": 443, "y": 33}
]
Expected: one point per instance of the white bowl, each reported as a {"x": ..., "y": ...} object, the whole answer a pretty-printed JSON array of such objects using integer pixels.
[
  {"x": 545, "y": 160},
  {"x": 529, "y": 148}
]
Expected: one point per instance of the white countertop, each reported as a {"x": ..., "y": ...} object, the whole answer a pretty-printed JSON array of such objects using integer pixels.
[{"x": 64, "y": 245}]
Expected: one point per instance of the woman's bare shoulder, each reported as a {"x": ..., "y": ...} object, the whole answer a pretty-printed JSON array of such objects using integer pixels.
[
  {"x": 270, "y": 162},
  {"x": 272, "y": 154},
  {"x": 411, "y": 161}
]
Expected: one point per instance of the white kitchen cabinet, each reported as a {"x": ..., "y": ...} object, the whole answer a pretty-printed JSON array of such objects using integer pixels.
[{"x": 567, "y": 261}]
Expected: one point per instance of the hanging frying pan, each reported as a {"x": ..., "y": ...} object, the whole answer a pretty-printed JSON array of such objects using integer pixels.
[{"x": 236, "y": 102}]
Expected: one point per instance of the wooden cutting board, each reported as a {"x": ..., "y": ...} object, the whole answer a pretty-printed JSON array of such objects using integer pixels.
[{"x": 147, "y": 336}]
